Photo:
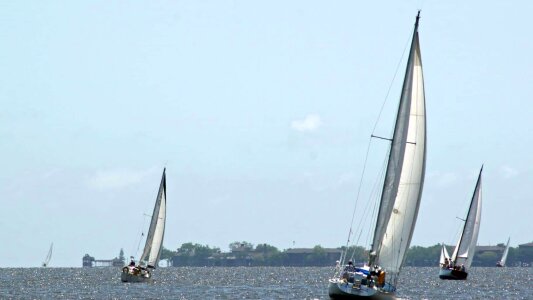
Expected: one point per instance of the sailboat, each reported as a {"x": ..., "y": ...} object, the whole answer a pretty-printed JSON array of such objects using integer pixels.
[
  {"x": 463, "y": 254},
  {"x": 48, "y": 256},
  {"x": 501, "y": 263},
  {"x": 400, "y": 196},
  {"x": 154, "y": 241}
]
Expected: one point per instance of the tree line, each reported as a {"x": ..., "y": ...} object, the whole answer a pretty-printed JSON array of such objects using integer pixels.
[{"x": 263, "y": 254}]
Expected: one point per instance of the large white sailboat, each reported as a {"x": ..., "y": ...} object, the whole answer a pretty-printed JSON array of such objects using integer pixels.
[
  {"x": 456, "y": 266},
  {"x": 502, "y": 262},
  {"x": 400, "y": 196},
  {"x": 154, "y": 241},
  {"x": 48, "y": 256}
]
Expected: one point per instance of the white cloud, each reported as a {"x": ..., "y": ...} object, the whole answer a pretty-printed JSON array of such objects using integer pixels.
[
  {"x": 310, "y": 123},
  {"x": 508, "y": 172},
  {"x": 111, "y": 179}
]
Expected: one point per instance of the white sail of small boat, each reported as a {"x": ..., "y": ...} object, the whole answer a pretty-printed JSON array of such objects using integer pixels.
[
  {"x": 154, "y": 241},
  {"x": 48, "y": 256},
  {"x": 502, "y": 262},
  {"x": 401, "y": 192},
  {"x": 444, "y": 256},
  {"x": 463, "y": 253}
]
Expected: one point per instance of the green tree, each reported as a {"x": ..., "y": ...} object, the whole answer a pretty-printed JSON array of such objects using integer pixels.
[
  {"x": 167, "y": 254},
  {"x": 241, "y": 245}
]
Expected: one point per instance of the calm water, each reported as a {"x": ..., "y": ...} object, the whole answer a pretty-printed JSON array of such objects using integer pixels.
[{"x": 250, "y": 283}]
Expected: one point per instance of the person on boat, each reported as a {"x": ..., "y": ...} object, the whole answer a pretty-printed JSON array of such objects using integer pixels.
[
  {"x": 445, "y": 264},
  {"x": 350, "y": 267},
  {"x": 381, "y": 278},
  {"x": 132, "y": 263}
]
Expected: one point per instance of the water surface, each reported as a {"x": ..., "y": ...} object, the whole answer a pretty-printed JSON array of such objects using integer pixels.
[{"x": 250, "y": 283}]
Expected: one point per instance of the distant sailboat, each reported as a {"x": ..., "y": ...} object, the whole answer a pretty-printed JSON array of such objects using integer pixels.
[
  {"x": 154, "y": 241},
  {"x": 501, "y": 263},
  {"x": 461, "y": 259},
  {"x": 400, "y": 197},
  {"x": 48, "y": 256}
]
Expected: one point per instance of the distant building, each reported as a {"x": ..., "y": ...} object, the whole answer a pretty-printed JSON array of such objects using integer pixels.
[
  {"x": 498, "y": 249},
  {"x": 312, "y": 257},
  {"x": 89, "y": 262}
]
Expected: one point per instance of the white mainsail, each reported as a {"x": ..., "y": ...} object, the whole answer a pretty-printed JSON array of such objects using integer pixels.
[
  {"x": 404, "y": 179},
  {"x": 505, "y": 253},
  {"x": 154, "y": 239},
  {"x": 466, "y": 247},
  {"x": 48, "y": 256},
  {"x": 443, "y": 254}
]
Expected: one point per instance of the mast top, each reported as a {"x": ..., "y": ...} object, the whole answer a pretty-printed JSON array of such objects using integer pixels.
[{"x": 417, "y": 18}]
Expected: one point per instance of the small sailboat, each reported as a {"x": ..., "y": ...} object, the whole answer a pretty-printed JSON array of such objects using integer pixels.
[
  {"x": 48, "y": 256},
  {"x": 501, "y": 263},
  {"x": 459, "y": 263},
  {"x": 154, "y": 241},
  {"x": 400, "y": 196}
]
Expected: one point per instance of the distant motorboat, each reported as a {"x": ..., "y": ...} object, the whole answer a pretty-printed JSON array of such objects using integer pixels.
[
  {"x": 48, "y": 256},
  {"x": 502, "y": 262},
  {"x": 456, "y": 266},
  {"x": 154, "y": 240}
]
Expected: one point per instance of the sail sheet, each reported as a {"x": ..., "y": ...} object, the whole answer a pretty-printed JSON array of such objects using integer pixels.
[
  {"x": 466, "y": 247},
  {"x": 405, "y": 171},
  {"x": 505, "y": 253},
  {"x": 154, "y": 239}
]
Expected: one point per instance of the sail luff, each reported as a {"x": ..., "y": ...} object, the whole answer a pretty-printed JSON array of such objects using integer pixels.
[
  {"x": 154, "y": 239},
  {"x": 396, "y": 153}
]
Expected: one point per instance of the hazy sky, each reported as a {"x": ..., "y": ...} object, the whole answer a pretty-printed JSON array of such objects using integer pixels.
[{"x": 260, "y": 110}]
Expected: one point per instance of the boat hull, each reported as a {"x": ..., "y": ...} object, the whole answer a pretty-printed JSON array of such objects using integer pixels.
[
  {"x": 128, "y": 276},
  {"x": 339, "y": 289},
  {"x": 450, "y": 274}
]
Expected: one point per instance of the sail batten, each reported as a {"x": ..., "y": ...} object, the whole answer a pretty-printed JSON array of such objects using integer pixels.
[{"x": 156, "y": 232}]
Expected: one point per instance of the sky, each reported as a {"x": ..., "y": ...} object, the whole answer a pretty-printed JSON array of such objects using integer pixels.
[{"x": 261, "y": 111}]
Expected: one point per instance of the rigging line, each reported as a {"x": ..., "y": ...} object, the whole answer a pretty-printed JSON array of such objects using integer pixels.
[
  {"x": 390, "y": 85},
  {"x": 376, "y": 193},
  {"x": 358, "y": 192}
]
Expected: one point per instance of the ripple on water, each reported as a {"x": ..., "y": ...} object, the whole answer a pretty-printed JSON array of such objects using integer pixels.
[{"x": 250, "y": 283}]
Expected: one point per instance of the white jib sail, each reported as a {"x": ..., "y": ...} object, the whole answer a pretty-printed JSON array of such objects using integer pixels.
[
  {"x": 154, "y": 239},
  {"x": 443, "y": 254},
  {"x": 505, "y": 252},
  {"x": 402, "y": 220},
  {"x": 466, "y": 247}
]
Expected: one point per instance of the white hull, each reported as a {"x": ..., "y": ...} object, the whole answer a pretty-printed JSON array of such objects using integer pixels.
[
  {"x": 340, "y": 289},
  {"x": 128, "y": 276}
]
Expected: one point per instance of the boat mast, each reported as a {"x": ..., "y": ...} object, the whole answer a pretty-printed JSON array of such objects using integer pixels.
[
  {"x": 468, "y": 215},
  {"x": 396, "y": 156}
]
